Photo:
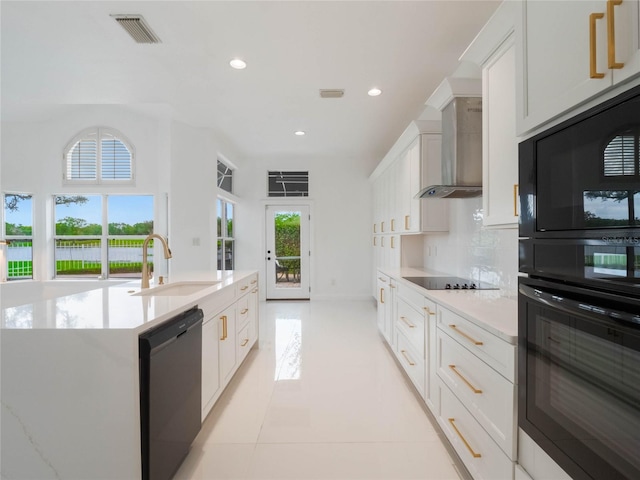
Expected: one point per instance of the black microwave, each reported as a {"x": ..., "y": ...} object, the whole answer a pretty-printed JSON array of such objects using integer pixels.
[{"x": 580, "y": 198}]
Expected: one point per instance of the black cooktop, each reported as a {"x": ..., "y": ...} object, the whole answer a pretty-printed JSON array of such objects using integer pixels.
[{"x": 449, "y": 283}]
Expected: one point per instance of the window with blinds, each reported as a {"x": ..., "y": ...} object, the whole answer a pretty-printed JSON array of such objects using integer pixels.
[
  {"x": 621, "y": 155},
  {"x": 99, "y": 155},
  {"x": 288, "y": 184}
]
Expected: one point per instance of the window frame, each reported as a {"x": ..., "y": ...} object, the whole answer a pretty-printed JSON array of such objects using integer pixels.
[
  {"x": 224, "y": 237},
  {"x": 103, "y": 238},
  {"x": 220, "y": 177},
  {"x": 100, "y": 132},
  {"x": 15, "y": 238}
]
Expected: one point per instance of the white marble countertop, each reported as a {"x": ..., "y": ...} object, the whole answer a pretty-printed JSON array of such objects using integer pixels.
[
  {"x": 490, "y": 309},
  {"x": 112, "y": 306}
]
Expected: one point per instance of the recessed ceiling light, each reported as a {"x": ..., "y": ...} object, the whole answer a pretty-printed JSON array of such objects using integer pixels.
[
  {"x": 238, "y": 64},
  {"x": 374, "y": 92},
  {"x": 300, "y": 133}
]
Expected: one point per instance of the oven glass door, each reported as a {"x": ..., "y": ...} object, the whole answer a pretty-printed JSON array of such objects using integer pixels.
[{"x": 579, "y": 394}]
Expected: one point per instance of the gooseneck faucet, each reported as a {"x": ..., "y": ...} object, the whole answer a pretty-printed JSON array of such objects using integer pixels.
[{"x": 145, "y": 267}]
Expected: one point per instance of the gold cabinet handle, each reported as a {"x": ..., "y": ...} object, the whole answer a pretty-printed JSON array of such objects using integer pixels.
[
  {"x": 392, "y": 245},
  {"x": 407, "y": 223},
  {"x": 611, "y": 34},
  {"x": 244, "y": 311},
  {"x": 428, "y": 310},
  {"x": 392, "y": 286},
  {"x": 374, "y": 241},
  {"x": 224, "y": 327},
  {"x": 375, "y": 228},
  {"x": 382, "y": 227},
  {"x": 459, "y": 332},
  {"x": 254, "y": 281},
  {"x": 254, "y": 291},
  {"x": 244, "y": 342},
  {"x": 515, "y": 200},
  {"x": 382, "y": 279},
  {"x": 467, "y": 382},
  {"x": 382, "y": 295},
  {"x": 406, "y": 357},
  {"x": 393, "y": 224},
  {"x": 244, "y": 288},
  {"x": 409, "y": 324},
  {"x": 464, "y": 440},
  {"x": 593, "y": 68}
]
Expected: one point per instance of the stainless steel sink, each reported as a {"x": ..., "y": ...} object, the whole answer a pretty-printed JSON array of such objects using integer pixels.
[{"x": 178, "y": 289}]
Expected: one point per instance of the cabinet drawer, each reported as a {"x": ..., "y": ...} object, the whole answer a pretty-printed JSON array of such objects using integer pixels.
[
  {"x": 482, "y": 457},
  {"x": 411, "y": 296},
  {"x": 246, "y": 284},
  {"x": 484, "y": 392},
  {"x": 500, "y": 355},
  {"x": 246, "y": 339},
  {"x": 412, "y": 363},
  {"x": 411, "y": 323},
  {"x": 243, "y": 310}
]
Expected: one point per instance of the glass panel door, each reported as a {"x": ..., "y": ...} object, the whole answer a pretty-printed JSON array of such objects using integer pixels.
[{"x": 287, "y": 254}]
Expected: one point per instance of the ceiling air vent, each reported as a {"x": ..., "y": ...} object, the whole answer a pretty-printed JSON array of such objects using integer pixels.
[
  {"x": 137, "y": 28},
  {"x": 332, "y": 93}
]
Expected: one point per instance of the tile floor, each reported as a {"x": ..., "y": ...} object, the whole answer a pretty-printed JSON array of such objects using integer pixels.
[{"x": 322, "y": 398}]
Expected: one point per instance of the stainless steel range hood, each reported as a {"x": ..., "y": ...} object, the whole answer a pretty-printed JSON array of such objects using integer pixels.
[{"x": 461, "y": 149}]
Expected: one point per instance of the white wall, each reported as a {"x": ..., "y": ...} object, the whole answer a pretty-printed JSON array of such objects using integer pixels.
[
  {"x": 469, "y": 250},
  {"x": 179, "y": 160},
  {"x": 340, "y": 198}
]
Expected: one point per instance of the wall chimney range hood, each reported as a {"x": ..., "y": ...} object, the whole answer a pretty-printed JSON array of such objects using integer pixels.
[{"x": 460, "y": 101}]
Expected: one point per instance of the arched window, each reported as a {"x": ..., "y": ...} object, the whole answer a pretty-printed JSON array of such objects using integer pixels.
[{"x": 99, "y": 155}]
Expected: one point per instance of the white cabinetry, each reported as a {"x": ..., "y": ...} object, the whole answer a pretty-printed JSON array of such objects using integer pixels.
[
  {"x": 477, "y": 374},
  {"x": 385, "y": 306},
  {"x": 412, "y": 163},
  {"x": 566, "y": 53},
  {"x": 494, "y": 51},
  {"x": 230, "y": 329}
]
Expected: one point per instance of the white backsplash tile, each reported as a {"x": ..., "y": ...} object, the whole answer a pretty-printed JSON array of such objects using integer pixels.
[{"x": 472, "y": 251}]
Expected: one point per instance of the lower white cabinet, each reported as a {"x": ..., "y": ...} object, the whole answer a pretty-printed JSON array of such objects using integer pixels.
[
  {"x": 482, "y": 456},
  {"x": 229, "y": 331},
  {"x": 464, "y": 373}
]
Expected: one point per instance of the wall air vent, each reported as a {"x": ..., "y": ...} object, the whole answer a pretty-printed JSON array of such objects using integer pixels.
[
  {"x": 137, "y": 28},
  {"x": 332, "y": 93}
]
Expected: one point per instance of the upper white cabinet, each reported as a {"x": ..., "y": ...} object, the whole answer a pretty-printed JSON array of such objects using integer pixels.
[
  {"x": 571, "y": 51},
  {"x": 495, "y": 52}
]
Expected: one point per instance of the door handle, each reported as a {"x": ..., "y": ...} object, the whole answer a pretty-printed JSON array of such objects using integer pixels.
[
  {"x": 593, "y": 68},
  {"x": 611, "y": 34}
]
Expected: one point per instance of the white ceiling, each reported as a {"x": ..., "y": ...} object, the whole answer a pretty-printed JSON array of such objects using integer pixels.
[{"x": 61, "y": 53}]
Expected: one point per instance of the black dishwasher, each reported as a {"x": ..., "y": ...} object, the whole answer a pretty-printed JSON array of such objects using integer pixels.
[{"x": 170, "y": 392}]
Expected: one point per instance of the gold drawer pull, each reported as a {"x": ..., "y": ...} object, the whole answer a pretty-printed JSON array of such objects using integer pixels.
[
  {"x": 474, "y": 389},
  {"x": 254, "y": 291},
  {"x": 254, "y": 281},
  {"x": 392, "y": 246},
  {"x": 244, "y": 311},
  {"x": 393, "y": 225},
  {"x": 375, "y": 243},
  {"x": 611, "y": 34},
  {"x": 382, "y": 295},
  {"x": 428, "y": 310},
  {"x": 382, "y": 227},
  {"x": 515, "y": 200},
  {"x": 224, "y": 327},
  {"x": 392, "y": 286},
  {"x": 593, "y": 67},
  {"x": 464, "y": 440},
  {"x": 244, "y": 343},
  {"x": 407, "y": 224},
  {"x": 382, "y": 279},
  {"x": 471, "y": 339},
  {"x": 244, "y": 288},
  {"x": 404, "y": 354},
  {"x": 375, "y": 229},
  {"x": 404, "y": 319}
]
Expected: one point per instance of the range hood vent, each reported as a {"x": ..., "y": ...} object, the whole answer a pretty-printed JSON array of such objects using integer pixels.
[
  {"x": 136, "y": 26},
  {"x": 461, "y": 147}
]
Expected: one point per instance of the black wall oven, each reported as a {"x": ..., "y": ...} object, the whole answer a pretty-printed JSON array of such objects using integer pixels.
[{"x": 579, "y": 306}]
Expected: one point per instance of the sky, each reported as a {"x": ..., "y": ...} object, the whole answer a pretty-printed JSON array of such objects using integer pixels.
[{"x": 130, "y": 209}]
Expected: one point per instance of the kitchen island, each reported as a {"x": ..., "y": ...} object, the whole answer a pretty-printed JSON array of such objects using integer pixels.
[{"x": 70, "y": 374}]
